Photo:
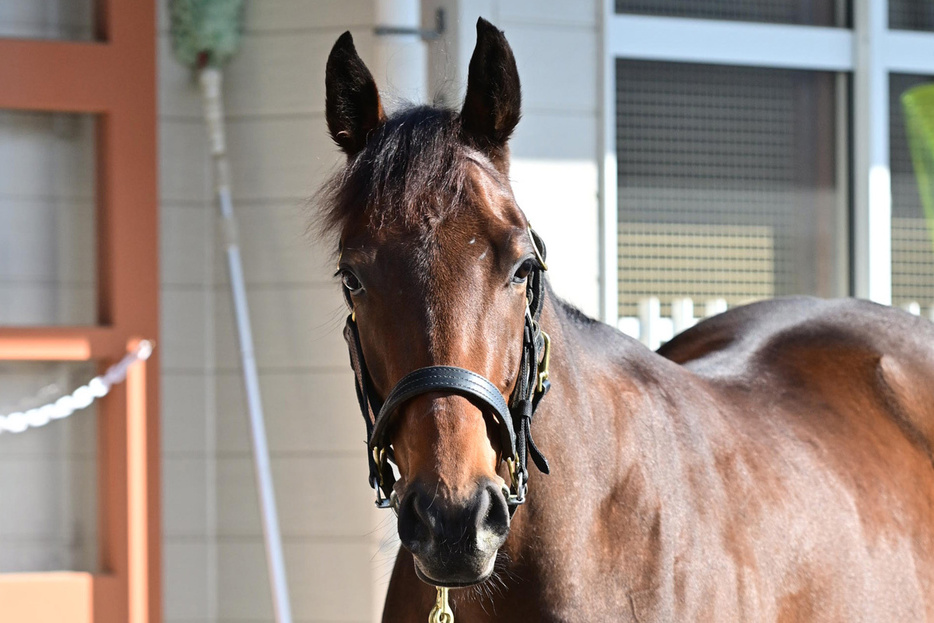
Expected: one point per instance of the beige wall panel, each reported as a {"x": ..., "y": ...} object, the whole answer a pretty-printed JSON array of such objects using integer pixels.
[
  {"x": 186, "y": 248},
  {"x": 306, "y": 412},
  {"x": 184, "y": 405},
  {"x": 185, "y": 497},
  {"x": 285, "y": 70},
  {"x": 184, "y": 167},
  {"x": 319, "y": 496},
  {"x": 184, "y": 345},
  {"x": 279, "y": 246},
  {"x": 178, "y": 94},
  {"x": 280, "y": 158},
  {"x": 284, "y": 16},
  {"x": 325, "y": 580},
  {"x": 186, "y": 583},
  {"x": 294, "y": 327}
]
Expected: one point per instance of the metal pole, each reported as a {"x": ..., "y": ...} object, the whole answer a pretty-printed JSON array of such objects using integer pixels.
[
  {"x": 872, "y": 227},
  {"x": 608, "y": 247},
  {"x": 401, "y": 66},
  {"x": 210, "y": 79}
]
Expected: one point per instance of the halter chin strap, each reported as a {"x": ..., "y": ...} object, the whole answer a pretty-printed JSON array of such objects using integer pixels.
[{"x": 514, "y": 418}]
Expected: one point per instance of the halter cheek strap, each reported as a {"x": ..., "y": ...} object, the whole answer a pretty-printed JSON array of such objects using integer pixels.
[{"x": 514, "y": 418}]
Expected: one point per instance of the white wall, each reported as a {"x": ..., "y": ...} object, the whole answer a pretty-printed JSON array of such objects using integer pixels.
[{"x": 554, "y": 149}]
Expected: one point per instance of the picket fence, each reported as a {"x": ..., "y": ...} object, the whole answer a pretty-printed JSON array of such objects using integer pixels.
[{"x": 653, "y": 329}]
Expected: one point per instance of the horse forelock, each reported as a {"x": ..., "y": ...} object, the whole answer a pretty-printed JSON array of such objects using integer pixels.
[{"x": 414, "y": 173}]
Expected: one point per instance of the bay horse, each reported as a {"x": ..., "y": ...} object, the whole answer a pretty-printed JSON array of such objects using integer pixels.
[{"x": 773, "y": 463}]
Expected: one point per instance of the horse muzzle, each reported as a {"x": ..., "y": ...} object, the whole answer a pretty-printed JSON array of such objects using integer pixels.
[{"x": 454, "y": 544}]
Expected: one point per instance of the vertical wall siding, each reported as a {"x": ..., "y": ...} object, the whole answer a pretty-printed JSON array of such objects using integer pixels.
[
  {"x": 187, "y": 347},
  {"x": 214, "y": 559}
]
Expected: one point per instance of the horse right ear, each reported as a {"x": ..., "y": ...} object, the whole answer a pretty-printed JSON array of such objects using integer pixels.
[
  {"x": 352, "y": 106},
  {"x": 493, "y": 102}
]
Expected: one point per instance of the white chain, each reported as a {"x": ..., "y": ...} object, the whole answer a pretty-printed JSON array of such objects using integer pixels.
[{"x": 81, "y": 398}]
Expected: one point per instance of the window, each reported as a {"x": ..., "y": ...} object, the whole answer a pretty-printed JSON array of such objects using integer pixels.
[
  {"x": 912, "y": 249},
  {"x": 727, "y": 183},
  {"x": 757, "y": 149},
  {"x": 820, "y": 13},
  {"x": 911, "y": 15}
]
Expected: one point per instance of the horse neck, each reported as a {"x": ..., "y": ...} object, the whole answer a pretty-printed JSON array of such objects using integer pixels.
[{"x": 601, "y": 426}]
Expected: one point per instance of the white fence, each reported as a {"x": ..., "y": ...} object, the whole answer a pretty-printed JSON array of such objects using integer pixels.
[{"x": 653, "y": 329}]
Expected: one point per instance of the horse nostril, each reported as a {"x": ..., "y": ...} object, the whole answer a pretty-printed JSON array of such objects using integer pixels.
[
  {"x": 430, "y": 527},
  {"x": 494, "y": 519},
  {"x": 414, "y": 523}
]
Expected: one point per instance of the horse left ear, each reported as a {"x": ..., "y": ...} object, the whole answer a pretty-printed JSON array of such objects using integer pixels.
[
  {"x": 352, "y": 107},
  {"x": 493, "y": 103}
]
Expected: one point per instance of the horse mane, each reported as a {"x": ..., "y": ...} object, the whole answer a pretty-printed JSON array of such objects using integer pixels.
[{"x": 413, "y": 170}]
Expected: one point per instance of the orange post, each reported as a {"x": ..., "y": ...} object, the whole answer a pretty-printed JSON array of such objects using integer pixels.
[{"x": 115, "y": 79}]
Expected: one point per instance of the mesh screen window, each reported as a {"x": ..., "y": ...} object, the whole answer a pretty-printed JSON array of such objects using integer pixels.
[
  {"x": 911, "y": 15},
  {"x": 728, "y": 183},
  {"x": 912, "y": 251},
  {"x": 805, "y": 12}
]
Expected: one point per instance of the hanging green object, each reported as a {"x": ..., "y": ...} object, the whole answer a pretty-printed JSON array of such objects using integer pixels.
[
  {"x": 918, "y": 103},
  {"x": 205, "y": 33}
]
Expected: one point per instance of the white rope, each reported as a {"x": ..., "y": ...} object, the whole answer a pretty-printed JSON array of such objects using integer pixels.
[{"x": 81, "y": 398}]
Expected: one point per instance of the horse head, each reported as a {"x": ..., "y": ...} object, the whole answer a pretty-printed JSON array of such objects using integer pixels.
[{"x": 436, "y": 261}]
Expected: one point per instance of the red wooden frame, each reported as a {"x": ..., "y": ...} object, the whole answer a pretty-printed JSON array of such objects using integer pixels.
[{"x": 114, "y": 79}]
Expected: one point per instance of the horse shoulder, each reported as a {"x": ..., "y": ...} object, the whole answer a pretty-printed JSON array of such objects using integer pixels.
[
  {"x": 838, "y": 349},
  {"x": 855, "y": 350},
  {"x": 840, "y": 393}
]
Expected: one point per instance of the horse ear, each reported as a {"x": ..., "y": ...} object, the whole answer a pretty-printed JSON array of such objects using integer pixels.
[
  {"x": 493, "y": 102},
  {"x": 352, "y": 106}
]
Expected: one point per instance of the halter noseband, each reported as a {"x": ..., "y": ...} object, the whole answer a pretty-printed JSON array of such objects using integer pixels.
[{"x": 514, "y": 418}]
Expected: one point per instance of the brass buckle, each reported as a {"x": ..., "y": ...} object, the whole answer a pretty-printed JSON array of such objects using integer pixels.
[{"x": 544, "y": 363}]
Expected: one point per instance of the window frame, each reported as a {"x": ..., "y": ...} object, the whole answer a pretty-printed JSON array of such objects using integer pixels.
[{"x": 869, "y": 52}]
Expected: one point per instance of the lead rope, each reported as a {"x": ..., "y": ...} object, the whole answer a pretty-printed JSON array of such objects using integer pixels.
[{"x": 442, "y": 612}]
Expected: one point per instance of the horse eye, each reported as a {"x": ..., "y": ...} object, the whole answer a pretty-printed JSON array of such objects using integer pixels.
[
  {"x": 351, "y": 282},
  {"x": 522, "y": 273}
]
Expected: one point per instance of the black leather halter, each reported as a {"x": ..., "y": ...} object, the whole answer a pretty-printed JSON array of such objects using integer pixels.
[{"x": 514, "y": 418}]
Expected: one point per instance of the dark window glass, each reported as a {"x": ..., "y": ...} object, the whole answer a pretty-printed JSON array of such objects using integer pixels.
[
  {"x": 806, "y": 12},
  {"x": 911, "y": 15},
  {"x": 912, "y": 247},
  {"x": 728, "y": 184}
]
